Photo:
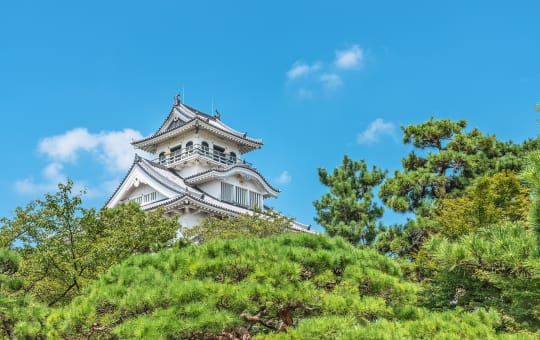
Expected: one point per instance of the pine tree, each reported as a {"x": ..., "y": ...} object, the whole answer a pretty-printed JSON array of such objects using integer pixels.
[
  {"x": 287, "y": 286},
  {"x": 445, "y": 162},
  {"x": 348, "y": 209}
]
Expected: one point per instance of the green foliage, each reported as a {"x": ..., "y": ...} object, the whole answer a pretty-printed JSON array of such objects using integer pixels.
[
  {"x": 260, "y": 224},
  {"x": 348, "y": 209},
  {"x": 20, "y": 315},
  {"x": 491, "y": 199},
  {"x": 63, "y": 246},
  {"x": 498, "y": 266},
  {"x": 262, "y": 285},
  {"x": 426, "y": 325},
  {"x": 447, "y": 161},
  {"x": 478, "y": 276},
  {"x": 288, "y": 286},
  {"x": 531, "y": 174}
]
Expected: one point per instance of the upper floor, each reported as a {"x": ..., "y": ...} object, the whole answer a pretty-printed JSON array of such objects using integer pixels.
[{"x": 184, "y": 122}]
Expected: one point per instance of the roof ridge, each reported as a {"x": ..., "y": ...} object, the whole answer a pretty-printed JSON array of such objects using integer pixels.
[
  {"x": 136, "y": 159},
  {"x": 230, "y": 168}
]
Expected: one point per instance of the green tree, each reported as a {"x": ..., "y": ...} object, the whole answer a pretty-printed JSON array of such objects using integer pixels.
[
  {"x": 498, "y": 266},
  {"x": 291, "y": 285},
  {"x": 20, "y": 315},
  {"x": 490, "y": 200},
  {"x": 64, "y": 246},
  {"x": 260, "y": 224},
  {"x": 531, "y": 175},
  {"x": 348, "y": 209},
  {"x": 445, "y": 162}
]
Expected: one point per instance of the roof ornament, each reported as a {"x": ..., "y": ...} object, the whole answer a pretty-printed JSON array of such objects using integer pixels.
[
  {"x": 177, "y": 99},
  {"x": 217, "y": 115}
]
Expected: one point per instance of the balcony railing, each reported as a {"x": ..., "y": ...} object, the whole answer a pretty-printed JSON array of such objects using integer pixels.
[{"x": 200, "y": 150}]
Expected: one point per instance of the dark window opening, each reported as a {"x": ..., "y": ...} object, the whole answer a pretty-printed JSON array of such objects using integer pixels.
[
  {"x": 219, "y": 154},
  {"x": 189, "y": 147}
]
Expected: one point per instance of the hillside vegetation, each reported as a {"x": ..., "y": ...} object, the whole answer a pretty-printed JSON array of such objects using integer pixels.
[
  {"x": 291, "y": 285},
  {"x": 466, "y": 265}
]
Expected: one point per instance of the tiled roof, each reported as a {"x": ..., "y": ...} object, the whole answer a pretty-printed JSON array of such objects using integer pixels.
[
  {"x": 207, "y": 172},
  {"x": 164, "y": 175},
  {"x": 220, "y": 206},
  {"x": 135, "y": 160},
  {"x": 170, "y": 179},
  {"x": 190, "y": 114}
]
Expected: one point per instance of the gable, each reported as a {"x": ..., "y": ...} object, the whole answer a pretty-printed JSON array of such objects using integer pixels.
[
  {"x": 239, "y": 176},
  {"x": 143, "y": 194},
  {"x": 138, "y": 186}
]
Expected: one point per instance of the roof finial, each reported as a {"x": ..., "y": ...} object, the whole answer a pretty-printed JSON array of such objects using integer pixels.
[
  {"x": 177, "y": 100},
  {"x": 217, "y": 115}
]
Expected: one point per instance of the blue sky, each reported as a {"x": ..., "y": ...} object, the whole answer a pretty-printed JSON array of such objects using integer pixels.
[{"x": 315, "y": 80}]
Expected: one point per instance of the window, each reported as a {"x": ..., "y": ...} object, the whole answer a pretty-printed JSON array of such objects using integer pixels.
[
  {"x": 145, "y": 198},
  {"x": 205, "y": 148},
  {"x": 227, "y": 192},
  {"x": 219, "y": 153},
  {"x": 162, "y": 157},
  {"x": 176, "y": 149},
  {"x": 149, "y": 197},
  {"x": 232, "y": 158},
  {"x": 241, "y": 197},
  {"x": 189, "y": 148},
  {"x": 254, "y": 200}
]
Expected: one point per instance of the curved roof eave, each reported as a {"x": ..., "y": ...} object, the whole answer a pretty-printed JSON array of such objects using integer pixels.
[
  {"x": 194, "y": 114},
  {"x": 212, "y": 173}
]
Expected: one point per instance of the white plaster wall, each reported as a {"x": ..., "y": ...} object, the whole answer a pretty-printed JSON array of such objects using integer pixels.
[
  {"x": 246, "y": 184},
  {"x": 173, "y": 142},
  {"x": 190, "y": 220},
  {"x": 190, "y": 170},
  {"x": 197, "y": 138},
  {"x": 212, "y": 188},
  {"x": 144, "y": 189},
  {"x": 215, "y": 140}
]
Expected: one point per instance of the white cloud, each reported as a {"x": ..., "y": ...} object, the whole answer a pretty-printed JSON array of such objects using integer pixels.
[
  {"x": 331, "y": 81},
  {"x": 65, "y": 147},
  {"x": 349, "y": 58},
  {"x": 375, "y": 131},
  {"x": 300, "y": 69},
  {"x": 284, "y": 178},
  {"x": 117, "y": 151},
  {"x": 53, "y": 171},
  {"x": 52, "y": 176},
  {"x": 113, "y": 148},
  {"x": 311, "y": 80}
]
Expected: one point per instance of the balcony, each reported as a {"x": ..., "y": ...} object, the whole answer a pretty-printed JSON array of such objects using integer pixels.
[{"x": 195, "y": 150}]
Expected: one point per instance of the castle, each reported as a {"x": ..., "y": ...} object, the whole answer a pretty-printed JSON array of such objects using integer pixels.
[{"x": 197, "y": 170}]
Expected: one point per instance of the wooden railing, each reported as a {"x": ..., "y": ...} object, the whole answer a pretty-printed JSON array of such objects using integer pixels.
[{"x": 201, "y": 150}]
